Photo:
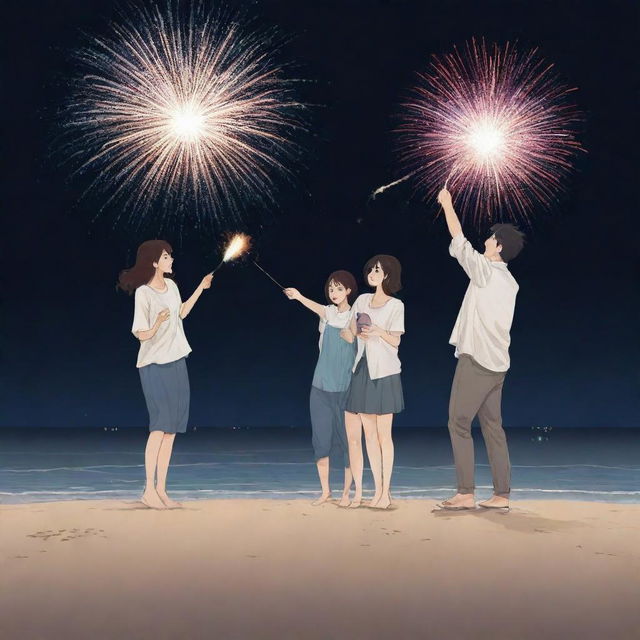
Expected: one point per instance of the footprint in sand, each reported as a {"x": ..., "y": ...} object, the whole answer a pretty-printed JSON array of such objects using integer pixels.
[
  {"x": 20, "y": 557},
  {"x": 249, "y": 556},
  {"x": 425, "y": 539},
  {"x": 365, "y": 545}
]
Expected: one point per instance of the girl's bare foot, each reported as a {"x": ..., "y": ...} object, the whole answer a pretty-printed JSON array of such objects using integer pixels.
[
  {"x": 374, "y": 501},
  {"x": 344, "y": 501},
  {"x": 356, "y": 502},
  {"x": 325, "y": 497},
  {"x": 383, "y": 503},
  {"x": 152, "y": 500},
  {"x": 168, "y": 502}
]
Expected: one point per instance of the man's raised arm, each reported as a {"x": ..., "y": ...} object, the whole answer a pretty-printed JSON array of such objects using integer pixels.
[{"x": 455, "y": 228}]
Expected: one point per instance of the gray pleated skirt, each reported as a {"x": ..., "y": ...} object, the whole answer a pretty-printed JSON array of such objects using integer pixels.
[
  {"x": 166, "y": 391},
  {"x": 378, "y": 397}
]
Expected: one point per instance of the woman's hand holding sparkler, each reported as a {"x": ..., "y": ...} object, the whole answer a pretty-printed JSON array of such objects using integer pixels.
[
  {"x": 206, "y": 281},
  {"x": 292, "y": 294}
]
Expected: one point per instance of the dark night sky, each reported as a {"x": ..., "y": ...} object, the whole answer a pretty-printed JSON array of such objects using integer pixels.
[{"x": 68, "y": 358}]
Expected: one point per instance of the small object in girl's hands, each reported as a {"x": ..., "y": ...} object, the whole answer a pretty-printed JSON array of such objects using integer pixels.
[{"x": 362, "y": 320}]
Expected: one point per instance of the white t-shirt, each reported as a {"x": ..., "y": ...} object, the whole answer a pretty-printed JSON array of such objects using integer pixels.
[
  {"x": 333, "y": 318},
  {"x": 169, "y": 344},
  {"x": 382, "y": 358},
  {"x": 484, "y": 321}
]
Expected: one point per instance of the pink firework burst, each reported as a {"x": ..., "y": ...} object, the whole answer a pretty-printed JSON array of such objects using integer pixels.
[
  {"x": 494, "y": 125},
  {"x": 184, "y": 114}
]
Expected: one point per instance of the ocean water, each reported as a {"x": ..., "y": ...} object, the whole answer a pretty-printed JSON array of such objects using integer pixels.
[{"x": 43, "y": 465}]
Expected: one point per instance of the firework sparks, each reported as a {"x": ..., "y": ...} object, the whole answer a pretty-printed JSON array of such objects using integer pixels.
[
  {"x": 236, "y": 246},
  {"x": 180, "y": 106},
  {"x": 493, "y": 125}
]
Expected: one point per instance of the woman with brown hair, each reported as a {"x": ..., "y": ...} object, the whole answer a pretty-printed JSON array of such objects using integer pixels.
[
  {"x": 375, "y": 393},
  {"x": 157, "y": 323},
  {"x": 331, "y": 377}
]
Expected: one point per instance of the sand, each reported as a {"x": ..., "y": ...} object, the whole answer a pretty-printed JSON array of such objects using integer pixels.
[{"x": 284, "y": 569}]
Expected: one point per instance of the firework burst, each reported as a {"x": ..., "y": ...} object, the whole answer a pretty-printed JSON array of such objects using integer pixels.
[
  {"x": 184, "y": 109},
  {"x": 495, "y": 126}
]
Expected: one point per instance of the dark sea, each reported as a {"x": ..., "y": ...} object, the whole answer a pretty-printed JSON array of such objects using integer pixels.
[{"x": 43, "y": 465}]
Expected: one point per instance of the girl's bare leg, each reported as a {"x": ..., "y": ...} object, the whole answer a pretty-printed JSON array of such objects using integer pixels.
[
  {"x": 348, "y": 479},
  {"x": 150, "y": 496},
  {"x": 353, "y": 425},
  {"x": 323, "y": 472},
  {"x": 163, "y": 467},
  {"x": 374, "y": 453},
  {"x": 384, "y": 424}
]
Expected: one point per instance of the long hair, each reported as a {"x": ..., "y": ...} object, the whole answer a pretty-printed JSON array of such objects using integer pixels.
[{"x": 143, "y": 270}]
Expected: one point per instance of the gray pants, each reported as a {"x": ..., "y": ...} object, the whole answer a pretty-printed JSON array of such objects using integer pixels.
[{"x": 477, "y": 390}]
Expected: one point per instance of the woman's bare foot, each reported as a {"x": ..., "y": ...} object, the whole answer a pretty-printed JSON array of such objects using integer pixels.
[
  {"x": 344, "y": 501},
  {"x": 356, "y": 502},
  {"x": 373, "y": 503},
  {"x": 168, "y": 502},
  {"x": 325, "y": 497},
  {"x": 152, "y": 500},
  {"x": 383, "y": 503}
]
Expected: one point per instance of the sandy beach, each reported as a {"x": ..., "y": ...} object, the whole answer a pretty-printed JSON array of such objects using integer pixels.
[{"x": 285, "y": 569}]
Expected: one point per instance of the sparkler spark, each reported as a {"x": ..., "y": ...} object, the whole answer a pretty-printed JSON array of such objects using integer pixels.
[
  {"x": 238, "y": 244},
  {"x": 494, "y": 125},
  {"x": 179, "y": 106}
]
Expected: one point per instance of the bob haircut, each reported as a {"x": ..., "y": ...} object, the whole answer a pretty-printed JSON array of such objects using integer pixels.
[
  {"x": 392, "y": 270},
  {"x": 346, "y": 279}
]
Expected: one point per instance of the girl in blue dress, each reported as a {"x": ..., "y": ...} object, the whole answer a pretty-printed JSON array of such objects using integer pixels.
[{"x": 331, "y": 378}]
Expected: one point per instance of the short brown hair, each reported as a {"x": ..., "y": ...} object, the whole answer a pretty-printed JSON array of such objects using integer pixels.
[
  {"x": 346, "y": 279},
  {"x": 392, "y": 270},
  {"x": 510, "y": 238}
]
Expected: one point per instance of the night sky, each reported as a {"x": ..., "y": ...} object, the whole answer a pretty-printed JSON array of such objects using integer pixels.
[{"x": 68, "y": 357}]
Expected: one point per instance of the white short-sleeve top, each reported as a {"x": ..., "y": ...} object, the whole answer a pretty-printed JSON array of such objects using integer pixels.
[
  {"x": 382, "y": 358},
  {"x": 169, "y": 344}
]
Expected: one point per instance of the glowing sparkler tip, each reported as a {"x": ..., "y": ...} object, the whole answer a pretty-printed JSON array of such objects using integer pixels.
[{"x": 239, "y": 244}]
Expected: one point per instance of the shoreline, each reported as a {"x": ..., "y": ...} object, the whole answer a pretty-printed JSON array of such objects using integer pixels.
[{"x": 284, "y": 569}]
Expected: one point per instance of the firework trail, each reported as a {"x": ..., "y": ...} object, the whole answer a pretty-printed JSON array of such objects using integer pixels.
[
  {"x": 183, "y": 108},
  {"x": 496, "y": 126}
]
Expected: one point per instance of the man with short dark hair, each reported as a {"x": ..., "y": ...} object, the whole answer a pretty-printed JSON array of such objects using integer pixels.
[{"x": 481, "y": 338}]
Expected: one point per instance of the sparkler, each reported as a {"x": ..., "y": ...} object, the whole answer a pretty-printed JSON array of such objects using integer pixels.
[
  {"x": 178, "y": 106},
  {"x": 266, "y": 274},
  {"x": 237, "y": 245},
  {"x": 496, "y": 125}
]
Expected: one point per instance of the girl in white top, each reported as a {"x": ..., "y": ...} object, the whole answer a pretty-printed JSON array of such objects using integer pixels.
[
  {"x": 157, "y": 323},
  {"x": 375, "y": 393}
]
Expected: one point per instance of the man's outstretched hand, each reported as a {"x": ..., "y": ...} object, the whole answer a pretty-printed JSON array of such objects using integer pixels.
[{"x": 444, "y": 197}]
